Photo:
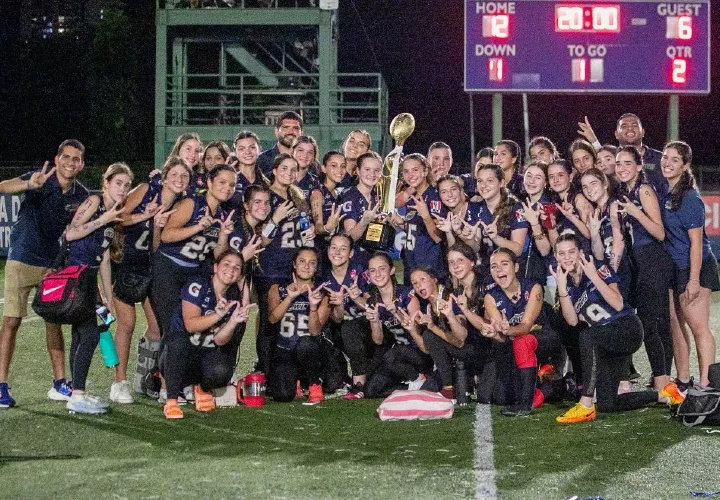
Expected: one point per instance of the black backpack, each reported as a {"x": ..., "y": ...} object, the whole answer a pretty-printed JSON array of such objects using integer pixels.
[{"x": 701, "y": 406}]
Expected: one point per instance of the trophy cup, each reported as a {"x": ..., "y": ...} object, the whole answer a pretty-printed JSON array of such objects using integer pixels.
[{"x": 380, "y": 235}]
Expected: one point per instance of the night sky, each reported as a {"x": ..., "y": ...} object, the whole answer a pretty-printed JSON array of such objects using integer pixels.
[{"x": 419, "y": 49}]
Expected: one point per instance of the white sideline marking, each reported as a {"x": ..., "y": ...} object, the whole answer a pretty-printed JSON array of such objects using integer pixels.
[{"x": 484, "y": 456}]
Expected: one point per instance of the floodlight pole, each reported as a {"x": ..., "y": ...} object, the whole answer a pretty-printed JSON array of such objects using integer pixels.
[
  {"x": 497, "y": 131},
  {"x": 673, "y": 123},
  {"x": 472, "y": 133}
]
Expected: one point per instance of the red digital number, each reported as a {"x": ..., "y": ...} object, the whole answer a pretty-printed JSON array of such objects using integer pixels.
[
  {"x": 606, "y": 19},
  {"x": 568, "y": 18},
  {"x": 497, "y": 26},
  {"x": 679, "y": 71},
  {"x": 496, "y": 69}
]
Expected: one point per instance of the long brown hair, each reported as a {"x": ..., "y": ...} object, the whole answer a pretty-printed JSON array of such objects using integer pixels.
[
  {"x": 507, "y": 200},
  {"x": 116, "y": 245}
]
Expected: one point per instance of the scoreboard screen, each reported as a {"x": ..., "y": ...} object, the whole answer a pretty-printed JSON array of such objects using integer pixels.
[{"x": 622, "y": 46}]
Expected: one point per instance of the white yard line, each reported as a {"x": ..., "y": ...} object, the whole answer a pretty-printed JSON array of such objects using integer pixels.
[{"x": 484, "y": 455}]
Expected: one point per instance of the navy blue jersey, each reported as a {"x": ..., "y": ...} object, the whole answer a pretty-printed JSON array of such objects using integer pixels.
[
  {"x": 353, "y": 271},
  {"x": 44, "y": 213},
  {"x": 514, "y": 311},
  {"x": 265, "y": 160},
  {"x": 276, "y": 259},
  {"x": 565, "y": 225},
  {"x": 589, "y": 303},
  {"x": 690, "y": 215},
  {"x": 480, "y": 211},
  {"x": 192, "y": 251},
  {"x": 295, "y": 323},
  {"x": 653, "y": 173},
  {"x": 624, "y": 270},
  {"x": 469, "y": 185},
  {"x": 420, "y": 249},
  {"x": 639, "y": 236},
  {"x": 330, "y": 198},
  {"x": 241, "y": 184},
  {"x": 516, "y": 185},
  {"x": 201, "y": 293},
  {"x": 354, "y": 205},
  {"x": 90, "y": 249},
  {"x": 307, "y": 184},
  {"x": 137, "y": 239},
  {"x": 403, "y": 296},
  {"x": 347, "y": 182}
]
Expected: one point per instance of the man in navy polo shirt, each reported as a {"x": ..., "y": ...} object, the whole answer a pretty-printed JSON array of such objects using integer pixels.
[
  {"x": 50, "y": 198},
  {"x": 630, "y": 132},
  {"x": 289, "y": 127}
]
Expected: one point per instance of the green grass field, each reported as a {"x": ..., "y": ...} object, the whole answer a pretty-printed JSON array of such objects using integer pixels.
[{"x": 336, "y": 449}]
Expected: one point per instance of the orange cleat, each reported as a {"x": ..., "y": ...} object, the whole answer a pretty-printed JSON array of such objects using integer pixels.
[
  {"x": 577, "y": 414},
  {"x": 315, "y": 394}
]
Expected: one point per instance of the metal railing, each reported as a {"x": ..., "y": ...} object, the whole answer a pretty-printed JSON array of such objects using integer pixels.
[
  {"x": 241, "y": 98},
  {"x": 236, "y": 4}
]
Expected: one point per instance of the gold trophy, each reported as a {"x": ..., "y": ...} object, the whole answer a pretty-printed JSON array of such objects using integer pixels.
[{"x": 380, "y": 235}]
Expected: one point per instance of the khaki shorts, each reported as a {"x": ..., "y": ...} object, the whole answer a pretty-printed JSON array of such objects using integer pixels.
[{"x": 20, "y": 279}]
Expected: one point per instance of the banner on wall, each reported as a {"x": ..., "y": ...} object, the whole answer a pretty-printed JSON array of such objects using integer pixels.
[{"x": 9, "y": 207}]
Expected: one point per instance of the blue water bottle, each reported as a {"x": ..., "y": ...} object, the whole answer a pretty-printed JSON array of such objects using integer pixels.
[
  {"x": 304, "y": 224},
  {"x": 107, "y": 346}
]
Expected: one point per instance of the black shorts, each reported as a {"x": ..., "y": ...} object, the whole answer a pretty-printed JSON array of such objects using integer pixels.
[
  {"x": 708, "y": 276},
  {"x": 131, "y": 284}
]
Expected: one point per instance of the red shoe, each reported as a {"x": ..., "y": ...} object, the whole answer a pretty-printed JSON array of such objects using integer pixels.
[
  {"x": 538, "y": 399},
  {"x": 315, "y": 395},
  {"x": 546, "y": 372}
]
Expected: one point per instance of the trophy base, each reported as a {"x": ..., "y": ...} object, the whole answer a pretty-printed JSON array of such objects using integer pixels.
[{"x": 378, "y": 236}]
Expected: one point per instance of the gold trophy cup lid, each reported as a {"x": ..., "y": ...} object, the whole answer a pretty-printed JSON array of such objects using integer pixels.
[{"x": 402, "y": 127}]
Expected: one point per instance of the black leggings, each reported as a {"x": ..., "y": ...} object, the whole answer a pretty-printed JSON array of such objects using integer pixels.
[
  {"x": 654, "y": 269},
  {"x": 184, "y": 364},
  {"x": 444, "y": 355},
  {"x": 85, "y": 338},
  {"x": 289, "y": 365},
  {"x": 400, "y": 364},
  {"x": 358, "y": 345},
  {"x": 167, "y": 283},
  {"x": 605, "y": 351},
  {"x": 267, "y": 333}
]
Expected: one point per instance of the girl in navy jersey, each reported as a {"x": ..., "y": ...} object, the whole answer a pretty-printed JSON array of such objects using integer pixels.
[
  {"x": 188, "y": 147},
  {"x": 606, "y": 159},
  {"x": 276, "y": 261},
  {"x": 94, "y": 242},
  {"x": 696, "y": 273},
  {"x": 198, "y": 228},
  {"x": 572, "y": 207},
  {"x": 514, "y": 307},
  {"x": 653, "y": 267},
  {"x": 300, "y": 309},
  {"x": 391, "y": 311},
  {"x": 442, "y": 326},
  {"x": 249, "y": 234},
  {"x": 325, "y": 203},
  {"x": 215, "y": 153},
  {"x": 499, "y": 215},
  {"x": 423, "y": 245},
  {"x": 583, "y": 156},
  {"x": 201, "y": 345},
  {"x": 305, "y": 151},
  {"x": 538, "y": 217},
  {"x": 614, "y": 332},
  {"x": 361, "y": 204},
  {"x": 455, "y": 205},
  {"x": 247, "y": 149},
  {"x": 509, "y": 157},
  {"x": 542, "y": 149},
  {"x": 606, "y": 225},
  {"x": 344, "y": 283},
  {"x": 145, "y": 215}
]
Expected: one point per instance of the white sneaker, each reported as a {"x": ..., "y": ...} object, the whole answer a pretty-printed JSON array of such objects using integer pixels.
[
  {"x": 120, "y": 392},
  {"x": 416, "y": 384},
  {"x": 80, "y": 403}
]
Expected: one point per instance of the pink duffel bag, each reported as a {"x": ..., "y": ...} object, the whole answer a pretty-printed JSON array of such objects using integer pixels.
[{"x": 415, "y": 405}]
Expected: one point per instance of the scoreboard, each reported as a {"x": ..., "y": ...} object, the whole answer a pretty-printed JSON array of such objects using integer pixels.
[{"x": 556, "y": 46}]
